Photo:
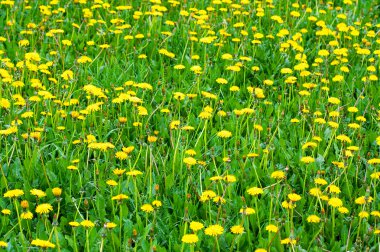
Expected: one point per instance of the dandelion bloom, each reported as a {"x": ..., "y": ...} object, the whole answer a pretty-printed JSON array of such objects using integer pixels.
[
  {"x": 363, "y": 214},
  {"x": 42, "y": 244},
  {"x": 214, "y": 230},
  {"x": 3, "y": 244},
  {"x": 278, "y": 175},
  {"x": 375, "y": 175},
  {"x": 72, "y": 167},
  {"x": 44, "y": 208},
  {"x": 247, "y": 211},
  {"x": 24, "y": 204},
  {"x": 4, "y": 103},
  {"x": 320, "y": 181},
  {"x": 374, "y": 161},
  {"x": 343, "y": 210},
  {"x": 27, "y": 215},
  {"x": 294, "y": 197},
  {"x": 335, "y": 202},
  {"x": 313, "y": 219},
  {"x": 260, "y": 250},
  {"x": 134, "y": 173},
  {"x": 87, "y": 224},
  {"x": 190, "y": 152},
  {"x": 74, "y": 223},
  {"x": 128, "y": 149},
  {"x": 271, "y": 228},
  {"x": 111, "y": 182},
  {"x": 13, "y": 193},
  {"x": 38, "y": 193},
  {"x": 375, "y": 213},
  {"x": 307, "y": 160},
  {"x": 110, "y": 225},
  {"x": 120, "y": 197},
  {"x": 288, "y": 205},
  {"x": 229, "y": 178},
  {"x": 121, "y": 155},
  {"x": 334, "y": 100},
  {"x": 255, "y": 191},
  {"x": 333, "y": 189},
  {"x": 57, "y": 191},
  {"x": 363, "y": 200},
  {"x": 289, "y": 241},
  {"x": 6, "y": 211},
  {"x": 207, "y": 195},
  {"x": 316, "y": 192},
  {"x": 238, "y": 229},
  {"x": 294, "y": 120},
  {"x": 219, "y": 199},
  {"x": 224, "y": 134},
  {"x": 196, "y": 226},
  {"x": 190, "y": 161},
  {"x": 343, "y": 138},
  {"x": 157, "y": 203},
  {"x": 148, "y": 208},
  {"x": 190, "y": 238},
  {"x": 118, "y": 172}
]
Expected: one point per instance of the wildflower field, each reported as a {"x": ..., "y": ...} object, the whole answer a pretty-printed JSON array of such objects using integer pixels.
[{"x": 192, "y": 125}]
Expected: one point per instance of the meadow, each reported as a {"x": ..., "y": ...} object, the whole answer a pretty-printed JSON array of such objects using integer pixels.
[{"x": 210, "y": 125}]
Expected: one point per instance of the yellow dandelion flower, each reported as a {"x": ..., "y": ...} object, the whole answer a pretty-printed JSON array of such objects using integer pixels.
[
  {"x": 237, "y": 229},
  {"x": 335, "y": 202},
  {"x": 110, "y": 225},
  {"x": 6, "y": 211},
  {"x": 271, "y": 228},
  {"x": 74, "y": 224},
  {"x": 121, "y": 155},
  {"x": 111, "y": 182},
  {"x": 313, "y": 219},
  {"x": 247, "y": 211},
  {"x": 190, "y": 238},
  {"x": 363, "y": 214},
  {"x": 27, "y": 215},
  {"x": 44, "y": 208},
  {"x": 278, "y": 175},
  {"x": 13, "y": 193},
  {"x": 307, "y": 160},
  {"x": 87, "y": 224},
  {"x": 42, "y": 244},
  {"x": 190, "y": 161},
  {"x": 196, "y": 226},
  {"x": 255, "y": 191},
  {"x": 294, "y": 197},
  {"x": 147, "y": 208},
  {"x": 214, "y": 230},
  {"x": 120, "y": 197},
  {"x": 38, "y": 193},
  {"x": 3, "y": 244}
]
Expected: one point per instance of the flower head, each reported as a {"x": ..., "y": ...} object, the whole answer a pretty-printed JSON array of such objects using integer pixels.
[
  {"x": 190, "y": 238},
  {"x": 313, "y": 219},
  {"x": 13, "y": 193},
  {"x": 195, "y": 226},
  {"x": 3, "y": 244},
  {"x": 214, "y": 230},
  {"x": 87, "y": 224},
  {"x": 271, "y": 228},
  {"x": 148, "y": 208},
  {"x": 43, "y": 244},
  {"x": 44, "y": 208},
  {"x": 238, "y": 229}
]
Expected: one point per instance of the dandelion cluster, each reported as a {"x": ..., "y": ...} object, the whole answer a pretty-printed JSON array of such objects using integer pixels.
[{"x": 160, "y": 125}]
